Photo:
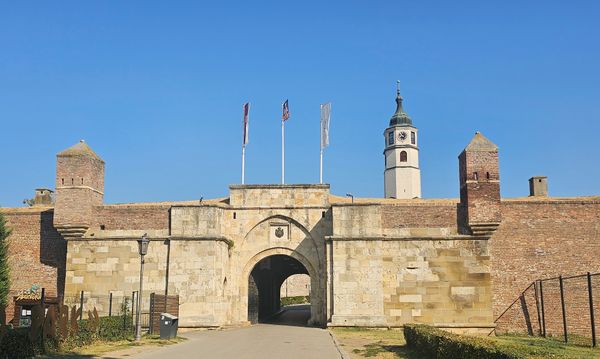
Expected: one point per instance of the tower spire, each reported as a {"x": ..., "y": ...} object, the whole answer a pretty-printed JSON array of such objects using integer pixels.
[
  {"x": 399, "y": 99},
  {"x": 400, "y": 117}
]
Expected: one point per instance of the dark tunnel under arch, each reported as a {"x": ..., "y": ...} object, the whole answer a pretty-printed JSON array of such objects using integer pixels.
[{"x": 264, "y": 285}]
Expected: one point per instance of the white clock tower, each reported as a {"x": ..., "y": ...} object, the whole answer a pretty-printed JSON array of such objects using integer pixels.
[{"x": 402, "y": 176}]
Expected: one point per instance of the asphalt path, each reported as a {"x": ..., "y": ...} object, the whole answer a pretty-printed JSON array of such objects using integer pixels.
[{"x": 284, "y": 336}]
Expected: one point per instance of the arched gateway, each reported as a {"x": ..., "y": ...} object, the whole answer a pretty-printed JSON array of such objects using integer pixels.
[
  {"x": 277, "y": 247},
  {"x": 265, "y": 274}
]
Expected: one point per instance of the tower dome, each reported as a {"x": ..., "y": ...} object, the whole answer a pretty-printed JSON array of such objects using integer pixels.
[{"x": 400, "y": 118}]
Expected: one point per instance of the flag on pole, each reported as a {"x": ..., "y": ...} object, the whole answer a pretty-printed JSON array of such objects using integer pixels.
[
  {"x": 245, "y": 123},
  {"x": 285, "y": 111},
  {"x": 325, "y": 117}
]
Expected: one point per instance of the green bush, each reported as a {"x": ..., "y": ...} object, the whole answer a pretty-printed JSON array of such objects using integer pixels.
[
  {"x": 115, "y": 328},
  {"x": 15, "y": 344},
  {"x": 436, "y": 343},
  {"x": 109, "y": 329}
]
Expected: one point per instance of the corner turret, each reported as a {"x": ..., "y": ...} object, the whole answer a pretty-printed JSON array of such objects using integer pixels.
[
  {"x": 480, "y": 185},
  {"x": 79, "y": 187}
]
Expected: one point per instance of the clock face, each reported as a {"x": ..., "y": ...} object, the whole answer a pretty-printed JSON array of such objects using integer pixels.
[{"x": 402, "y": 136}]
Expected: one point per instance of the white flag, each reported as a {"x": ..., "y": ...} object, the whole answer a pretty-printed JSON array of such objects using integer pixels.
[{"x": 325, "y": 117}]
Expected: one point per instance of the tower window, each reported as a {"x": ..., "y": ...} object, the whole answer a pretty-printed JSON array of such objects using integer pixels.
[
  {"x": 62, "y": 180},
  {"x": 475, "y": 176},
  {"x": 487, "y": 175},
  {"x": 391, "y": 138},
  {"x": 234, "y": 215},
  {"x": 413, "y": 137},
  {"x": 72, "y": 181},
  {"x": 403, "y": 156},
  {"x": 82, "y": 181}
]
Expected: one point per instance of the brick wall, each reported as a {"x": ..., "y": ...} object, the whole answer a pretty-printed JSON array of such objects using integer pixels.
[
  {"x": 543, "y": 239},
  {"x": 79, "y": 187},
  {"x": 480, "y": 186},
  {"x": 131, "y": 217},
  {"x": 37, "y": 252},
  {"x": 424, "y": 215}
]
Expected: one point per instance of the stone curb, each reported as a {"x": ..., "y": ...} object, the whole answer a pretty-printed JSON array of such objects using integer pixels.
[{"x": 343, "y": 354}]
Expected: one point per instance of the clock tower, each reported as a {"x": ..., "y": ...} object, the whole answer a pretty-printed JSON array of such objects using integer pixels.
[{"x": 402, "y": 176}]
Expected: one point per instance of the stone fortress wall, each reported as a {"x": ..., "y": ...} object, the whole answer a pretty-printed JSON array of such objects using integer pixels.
[
  {"x": 455, "y": 263},
  {"x": 297, "y": 285}
]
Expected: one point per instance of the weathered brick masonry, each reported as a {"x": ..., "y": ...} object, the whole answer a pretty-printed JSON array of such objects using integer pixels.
[
  {"x": 36, "y": 252},
  {"x": 420, "y": 213},
  {"x": 131, "y": 216},
  {"x": 543, "y": 238}
]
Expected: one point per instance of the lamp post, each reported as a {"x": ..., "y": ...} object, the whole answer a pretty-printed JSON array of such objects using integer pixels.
[
  {"x": 351, "y": 196},
  {"x": 143, "y": 250}
]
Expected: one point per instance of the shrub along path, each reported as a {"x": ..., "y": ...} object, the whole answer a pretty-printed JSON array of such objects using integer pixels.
[{"x": 383, "y": 344}]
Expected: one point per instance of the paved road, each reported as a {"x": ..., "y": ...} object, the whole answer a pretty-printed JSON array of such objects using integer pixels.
[{"x": 283, "y": 337}]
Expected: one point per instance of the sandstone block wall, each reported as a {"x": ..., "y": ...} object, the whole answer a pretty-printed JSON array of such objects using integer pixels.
[
  {"x": 296, "y": 285},
  {"x": 393, "y": 282},
  {"x": 407, "y": 270},
  {"x": 99, "y": 267}
]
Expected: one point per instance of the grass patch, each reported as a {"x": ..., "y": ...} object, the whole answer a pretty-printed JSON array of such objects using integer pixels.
[
  {"x": 537, "y": 347},
  {"x": 374, "y": 343},
  {"x": 301, "y": 299},
  {"x": 390, "y": 343},
  {"x": 102, "y": 347}
]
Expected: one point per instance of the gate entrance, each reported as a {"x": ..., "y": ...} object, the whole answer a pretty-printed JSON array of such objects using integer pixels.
[{"x": 264, "y": 291}]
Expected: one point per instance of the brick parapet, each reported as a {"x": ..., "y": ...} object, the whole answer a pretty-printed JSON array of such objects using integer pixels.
[{"x": 131, "y": 217}]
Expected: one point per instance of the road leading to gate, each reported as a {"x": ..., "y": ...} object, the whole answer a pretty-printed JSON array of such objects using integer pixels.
[{"x": 285, "y": 339}]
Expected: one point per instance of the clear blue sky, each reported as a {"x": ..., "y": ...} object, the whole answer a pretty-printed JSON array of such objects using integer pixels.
[{"x": 156, "y": 89}]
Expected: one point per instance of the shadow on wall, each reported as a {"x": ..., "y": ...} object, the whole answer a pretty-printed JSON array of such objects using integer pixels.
[{"x": 53, "y": 249}]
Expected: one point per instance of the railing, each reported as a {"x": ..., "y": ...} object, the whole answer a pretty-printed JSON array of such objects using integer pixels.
[{"x": 562, "y": 307}]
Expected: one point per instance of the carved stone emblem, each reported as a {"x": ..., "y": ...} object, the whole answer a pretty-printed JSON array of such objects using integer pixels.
[{"x": 279, "y": 232}]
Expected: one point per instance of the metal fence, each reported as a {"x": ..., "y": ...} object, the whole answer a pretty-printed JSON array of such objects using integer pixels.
[
  {"x": 560, "y": 307},
  {"x": 111, "y": 304}
]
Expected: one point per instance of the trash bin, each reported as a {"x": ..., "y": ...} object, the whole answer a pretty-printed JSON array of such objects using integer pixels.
[{"x": 168, "y": 326}]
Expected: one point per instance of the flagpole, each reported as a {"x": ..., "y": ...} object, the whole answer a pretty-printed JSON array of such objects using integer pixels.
[
  {"x": 321, "y": 168},
  {"x": 243, "y": 161},
  {"x": 282, "y": 153}
]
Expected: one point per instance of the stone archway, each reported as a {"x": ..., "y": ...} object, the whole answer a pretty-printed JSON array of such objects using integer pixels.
[
  {"x": 264, "y": 290},
  {"x": 282, "y": 272}
]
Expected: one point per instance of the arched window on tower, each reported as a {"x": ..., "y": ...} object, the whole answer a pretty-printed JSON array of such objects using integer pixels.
[{"x": 403, "y": 156}]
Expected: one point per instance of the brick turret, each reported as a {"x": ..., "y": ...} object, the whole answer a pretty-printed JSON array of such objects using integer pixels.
[
  {"x": 480, "y": 185},
  {"x": 79, "y": 187}
]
